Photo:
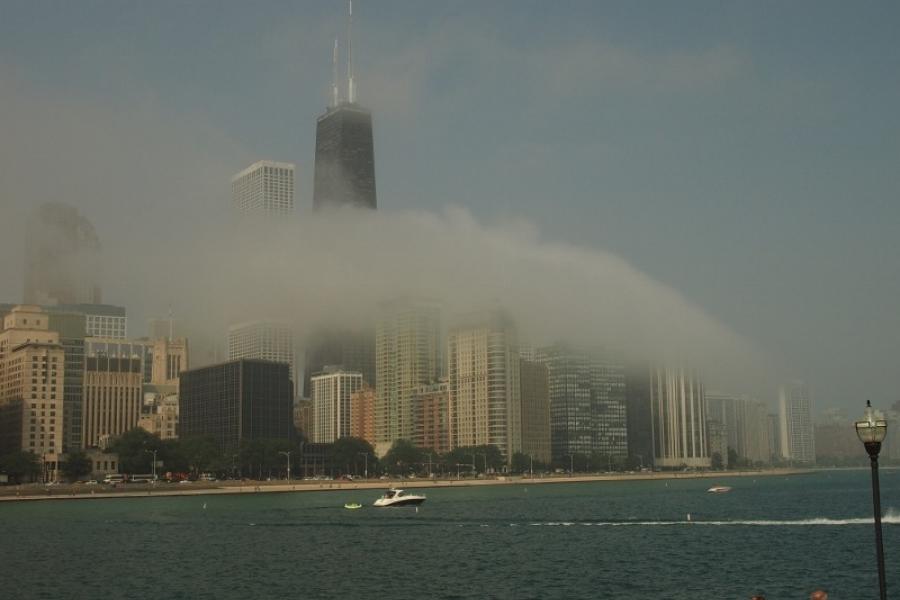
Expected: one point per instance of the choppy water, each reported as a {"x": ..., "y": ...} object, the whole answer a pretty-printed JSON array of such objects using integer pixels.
[{"x": 779, "y": 536}]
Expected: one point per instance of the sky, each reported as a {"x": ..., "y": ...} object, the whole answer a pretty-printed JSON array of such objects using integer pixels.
[{"x": 740, "y": 159}]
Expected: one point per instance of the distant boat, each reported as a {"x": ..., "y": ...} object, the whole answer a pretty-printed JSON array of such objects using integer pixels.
[
  {"x": 353, "y": 505},
  {"x": 719, "y": 489},
  {"x": 395, "y": 497}
]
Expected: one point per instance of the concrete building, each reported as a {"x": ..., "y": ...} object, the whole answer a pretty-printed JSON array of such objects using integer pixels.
[
  {"x": 353, "y": 350},
  {"x": 32, "y": 386},
  {"x": 170, "y": 358},
  {"x": 534, "y": 383},
  {"x": 303, "y": 416},
  {"x": 772, "y": 423},
  {"x": 678, "y": 417},
  {"x": 362, "y": 414},
  {"x": 746, "y": 424},
  {"x": 262, "y": 340},
  {"x": 718, "y": 443},
  {"x": 160, "y": 411},
  {"x": 587, "y": 402},
  {"x": 796, "y": 425},
  {"x": 407, "y": 356},
  {"x": 101, "y": 320},
  {"x": 638, "y": 416},
  {"x": 265, "y": 187},
  {"x": 485, "y": 402},
  {"x": 71, "y": 330},
  {"x": 331, "y": 407},
  {"x": 113, "y": 395},
  {"x": 62, "y": 257},
  {"x": 431, "y": 415},
  {"x": 244, "y": 399}
]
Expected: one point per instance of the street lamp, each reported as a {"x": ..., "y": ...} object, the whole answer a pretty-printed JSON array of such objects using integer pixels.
[
  {"x": 366, "y": 455},
  {"x": 288, "y": 454},
  {"x": 871, "y": 431},
  {"x": 153, "y": 452}
]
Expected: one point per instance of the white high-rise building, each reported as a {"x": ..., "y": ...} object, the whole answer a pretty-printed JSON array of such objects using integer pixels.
[
  {"x": 265, "y": 186},
  {"x": 485, "y": 394},
  {"x": 263, "y": 340},
  {"x": 746, "y": 424},
  {"x": 331, "y": 406},
  {"x": 796, "y": 430},
  {"x": 678, "y": 413},
  {"x": 407, "y": 356}
]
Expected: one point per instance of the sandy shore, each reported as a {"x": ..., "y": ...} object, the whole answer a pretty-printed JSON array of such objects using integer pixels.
[{"x": 84, "y": 492}]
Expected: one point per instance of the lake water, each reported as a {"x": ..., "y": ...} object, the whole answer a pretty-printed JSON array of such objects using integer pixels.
[{"x": 780, "y": 536}]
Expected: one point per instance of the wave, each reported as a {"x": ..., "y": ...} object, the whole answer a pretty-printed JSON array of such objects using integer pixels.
[{"x": 888, "y": 519}]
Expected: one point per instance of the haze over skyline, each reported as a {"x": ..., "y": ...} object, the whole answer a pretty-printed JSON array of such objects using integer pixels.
[{"x": 743, "y": 155}]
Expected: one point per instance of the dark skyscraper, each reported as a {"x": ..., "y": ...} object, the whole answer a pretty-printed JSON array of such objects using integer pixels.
[{"x": 345, "y": 152}]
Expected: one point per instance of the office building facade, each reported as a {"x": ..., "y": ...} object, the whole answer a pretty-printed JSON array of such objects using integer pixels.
[
  {"x": 431, "y": 415},
  {"x": 244, "y": 399},
  {"x": 535, "y": 391},
  {"x": 678, "y": 419},
  {"x": 796, "y": 425},
  {"x": 113, "y": 395}
]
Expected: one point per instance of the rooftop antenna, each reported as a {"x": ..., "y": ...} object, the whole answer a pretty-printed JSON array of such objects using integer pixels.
[
  {"x": 171, "y": 324},
  {"x": 335, "y": 94},
  {"x": 351, "y": 93}
]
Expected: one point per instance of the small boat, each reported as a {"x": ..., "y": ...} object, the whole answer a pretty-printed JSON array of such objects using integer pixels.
[
  {"x": 719, "y": 489},
  {"x": 353, "y": 506},
  {"x": 395, "y": 497}
]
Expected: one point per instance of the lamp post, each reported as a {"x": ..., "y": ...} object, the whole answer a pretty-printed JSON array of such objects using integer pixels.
[
  {"x": 530, "y": 466},
  {"x": 484, "y": 456},
  {"x": 153, "y": 452},
  {"x": 871, "y": 431},
  {"x": 366, "y": 455},
  {"x": 571, "y": 464},
  {"x": 288, "y": 454}
]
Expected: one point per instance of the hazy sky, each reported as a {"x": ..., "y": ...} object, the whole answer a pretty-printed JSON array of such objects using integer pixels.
[{"x": 745, "y": 154}]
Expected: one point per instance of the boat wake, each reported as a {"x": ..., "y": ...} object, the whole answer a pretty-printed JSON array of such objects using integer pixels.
[{"x": 888, "y": 519}]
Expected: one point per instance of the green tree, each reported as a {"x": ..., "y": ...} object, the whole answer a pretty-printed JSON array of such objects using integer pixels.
[
  {"x": 734, "y": 460},
  {"x": 76, "y": 465},
  {"x": 402, "y": 457},
  {"x": 135, "y": 449},
  {"x": 201, "y": 453},
  {"x": 716, "y": 461},
  {"x": 22, "y": 465},
  {"x": 346, "y": 456},
  {"x": 520, "y": 463}
]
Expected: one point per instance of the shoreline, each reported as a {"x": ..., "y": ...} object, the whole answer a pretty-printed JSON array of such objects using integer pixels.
[{"x": 265, "y": 487}]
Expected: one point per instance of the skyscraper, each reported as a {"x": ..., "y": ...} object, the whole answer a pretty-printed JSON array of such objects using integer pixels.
[
  {"x": 264, "y": 187},
  {"x": 407, "y": 355},
  {"x": 678, "y": 413},
  {"x": 796, "y": 427},
  {"x": 485, "y": 402},
  {"x": 331, "y": 406},
  {"x": 263, "y": 340},
  {"x": 352, "y": 350},
  {"x": 345, "y": 152},
  {"x": 112, "y": 398},
  {"x": 62, "y": 257},
  {"x": 587, "y": 402},
  {"x": 535, "y": 392},
  {"x": 745, "y": 423}
]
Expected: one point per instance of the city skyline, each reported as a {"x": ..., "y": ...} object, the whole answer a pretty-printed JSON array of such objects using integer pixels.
[{"x": 766, "y": 277}]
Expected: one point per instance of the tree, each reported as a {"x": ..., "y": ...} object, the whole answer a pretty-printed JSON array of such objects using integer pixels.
[
  {"x": 76, "y": 465},
  {"x": 402, "y": 457},
  {"x": 521, "y": 463},
  {"x": 346, "y": 456},
  {"x": 135, "y": 449},
  {"x": 733, "y": 460},
  {"x": 20, "y": 465},
  {"x": 201, "y": 453},
  {"x": 716, "y": 461}
]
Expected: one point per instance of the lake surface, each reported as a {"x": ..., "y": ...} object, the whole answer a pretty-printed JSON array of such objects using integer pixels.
[{"x": 780, "y": 536}]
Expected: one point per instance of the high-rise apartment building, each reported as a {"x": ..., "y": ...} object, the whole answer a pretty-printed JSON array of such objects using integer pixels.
[
  {"x": 362, "y": 414},
  {"x": 265, "y": 187},
  {"x": 407, "y": 355},
  {"x": 638, "y": 416},
  {"x": 746, "y": 424},
  {"x": 71, "y": 330},
  {"x": 796, "y": 424},
  {"x": 32, "y": 386},
  {"x": 678, "y": 417},
  {"x": 352, "y": 350},
  {"x": 587, "y": 402},
  {"x": 331, "y": 406},
  {"x": 113, "y": 394},
  {"x": 62, "y": 257},
  {"x": 262, "y": 340},
  {"x": 431, "y": 410},
  {"x": 484, "y": 400},
  {"x": 244, "y": 399},
  {"x": 535, "y": 391}
]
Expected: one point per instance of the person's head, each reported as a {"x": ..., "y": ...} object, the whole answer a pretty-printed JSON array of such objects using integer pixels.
[
  {"x": 758, "y": 598},
  {"x": 819, "y": 595}
]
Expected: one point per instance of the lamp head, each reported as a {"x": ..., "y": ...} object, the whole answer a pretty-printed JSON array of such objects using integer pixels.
[{"x": 872, "y": 429}]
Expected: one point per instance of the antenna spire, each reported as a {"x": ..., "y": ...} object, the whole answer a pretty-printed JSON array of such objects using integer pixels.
[
  {"x": 351, "y": 92},
  {"x": 335, "y": 93}
]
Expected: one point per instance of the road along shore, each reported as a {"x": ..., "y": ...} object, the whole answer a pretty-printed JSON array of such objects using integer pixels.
[{"x": 84, "y": 492}]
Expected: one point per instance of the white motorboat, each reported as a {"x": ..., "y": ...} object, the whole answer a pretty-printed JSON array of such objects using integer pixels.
[
  {"x": 395, "y": 497},
  {"x": 719, "y": 489}
]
